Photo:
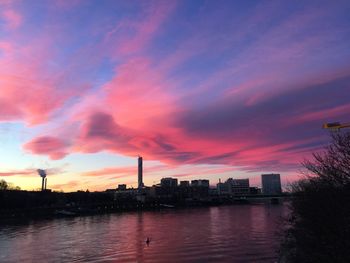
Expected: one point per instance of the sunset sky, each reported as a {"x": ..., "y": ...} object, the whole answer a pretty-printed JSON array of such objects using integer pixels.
[{"x": 200, "y": 89}]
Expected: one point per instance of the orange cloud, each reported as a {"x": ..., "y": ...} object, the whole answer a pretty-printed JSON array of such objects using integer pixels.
[{"x": 68, "y": 185}]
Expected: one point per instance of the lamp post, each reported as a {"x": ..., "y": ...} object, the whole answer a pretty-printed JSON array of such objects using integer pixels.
[{"x": 336, "y": 125}]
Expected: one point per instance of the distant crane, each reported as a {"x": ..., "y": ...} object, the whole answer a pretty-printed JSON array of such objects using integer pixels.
[{"x": 336, "y": 125}]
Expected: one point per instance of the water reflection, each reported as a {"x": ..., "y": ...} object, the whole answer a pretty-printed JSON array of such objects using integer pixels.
[{"x": 225, "y": 234}]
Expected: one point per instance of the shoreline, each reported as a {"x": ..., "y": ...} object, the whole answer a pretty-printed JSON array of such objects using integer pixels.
[{"x": 50, "y": 213}]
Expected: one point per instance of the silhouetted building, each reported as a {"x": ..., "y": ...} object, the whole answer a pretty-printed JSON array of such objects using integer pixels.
[
  {"x": 222, "y": 188},
  {"x": 167, "y": 189},
  {"x": 200, "y": 183},
  {"x": 121, "y": 187},
  {"x": 184, "y": 184},
  {"x": 140, "y": 179},
  {"x": 168, "y": 182},
  {"x": 107, "y": 190},
  {"x": 157, "y": 191},
  {"x": 234, "y": 187},
  {"x": 184, "y": 189},
  {"x": 238, "y": 186},
  {"x": 271, "y": 184},
  {"x": 254, "y": 190},
  {"x": 200, "y": 189}
]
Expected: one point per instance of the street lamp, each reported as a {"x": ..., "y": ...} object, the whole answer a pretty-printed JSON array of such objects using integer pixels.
[{"x": 336, "y": 125}]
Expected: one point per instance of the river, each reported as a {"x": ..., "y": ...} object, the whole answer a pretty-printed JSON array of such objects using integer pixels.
[{"x": 240, "y": 233}]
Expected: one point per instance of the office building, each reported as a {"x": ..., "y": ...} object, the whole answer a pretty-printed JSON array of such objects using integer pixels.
[
  {"x": 238, "y": 186},
  {"x": 271, "y": 184}
]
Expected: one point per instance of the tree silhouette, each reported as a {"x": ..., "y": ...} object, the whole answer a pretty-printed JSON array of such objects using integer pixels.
[
  {"x": 3, "y": 185},
  {"x": 332, "y": 166},
  {"x": 7, "y": 186},
  {"x": 319, "y": 224}
]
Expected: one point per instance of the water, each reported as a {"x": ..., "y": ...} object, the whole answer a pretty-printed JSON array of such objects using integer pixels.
[{"x": 244, "y": 233}]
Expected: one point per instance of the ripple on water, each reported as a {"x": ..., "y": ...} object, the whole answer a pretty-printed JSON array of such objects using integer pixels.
[{"x": 217, "y": 234}]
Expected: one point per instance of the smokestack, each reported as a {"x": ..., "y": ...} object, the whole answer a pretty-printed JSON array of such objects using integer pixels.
[
  {"x": 42, "y": 174},
  {"x": 42, "y": 183},
  {"x": 45, "y": 183},
  {"x": 140, "y": 183}
]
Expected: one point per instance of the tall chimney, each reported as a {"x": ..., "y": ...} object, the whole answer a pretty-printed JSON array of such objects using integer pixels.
[
  {"x": 140, "y": 183},
  {"x": 42, "y": 183},
  {"x": 45, "y": 183},
  {"x": 42, "y": 174}
]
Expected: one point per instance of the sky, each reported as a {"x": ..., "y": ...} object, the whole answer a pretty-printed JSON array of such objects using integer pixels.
[{"x": 200, "y": 89}]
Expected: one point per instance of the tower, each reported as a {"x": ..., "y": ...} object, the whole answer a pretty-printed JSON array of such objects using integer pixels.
[
  {"x": 140, "y": 182},
  {"x": 42, "y": 174}
]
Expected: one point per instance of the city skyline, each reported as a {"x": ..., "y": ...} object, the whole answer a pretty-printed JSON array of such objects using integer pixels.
[
  {"x": 199, "y": 89},
  {"x": 140, "y": 185}
]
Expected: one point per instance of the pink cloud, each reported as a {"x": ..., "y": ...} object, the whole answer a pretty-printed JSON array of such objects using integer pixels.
[
  {"x": 125, "y": 171},
  {"x": 327, "y": 115},
  {"x": 25, "y": 172},
  {"x": 46, "y": 145},
  {"x": 28, "y": 98},
  {"x": 246, "y": 147},
  {"x": 12, "y": 19},
  {"x": 144, "y": 108},
  {"x": 116, "y": 171},
  {"x": 138, "y": 94},
  {"x": 30, "y": 90},
  {"x": 6, "y": 47},
  {"x": 133, "y": 36}
]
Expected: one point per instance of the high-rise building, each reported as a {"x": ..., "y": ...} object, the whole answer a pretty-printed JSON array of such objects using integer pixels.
[
  {"x": 140, "y": 182},
  {"x": 271, "y": 184}
]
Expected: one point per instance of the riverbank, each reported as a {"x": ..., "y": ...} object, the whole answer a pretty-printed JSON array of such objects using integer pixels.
[{"x": 37, "y": 205}]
